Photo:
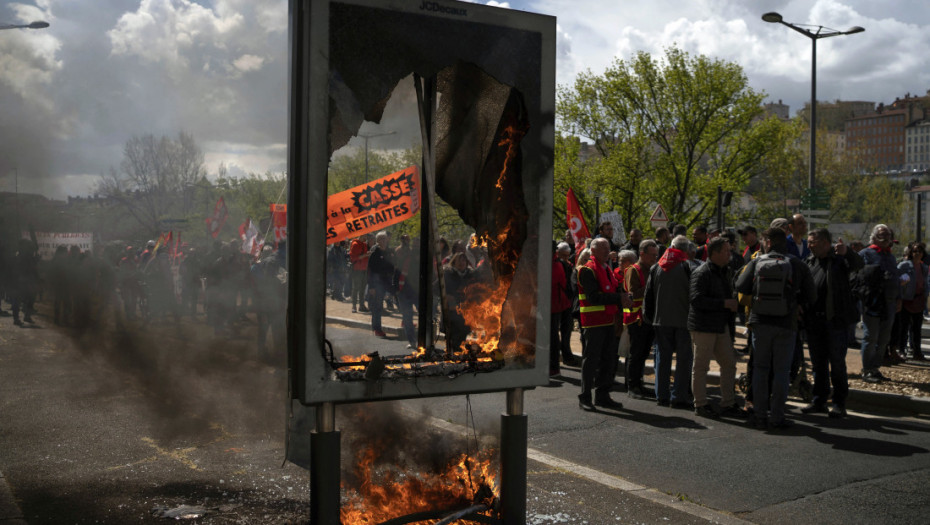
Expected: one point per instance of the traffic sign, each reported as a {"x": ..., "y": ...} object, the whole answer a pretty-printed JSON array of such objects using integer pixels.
[{"x": 659, "y": 218}]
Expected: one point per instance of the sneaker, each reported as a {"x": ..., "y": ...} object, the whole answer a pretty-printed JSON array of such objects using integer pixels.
[
  {"x": 814, "y": 408},
  {"x": 28, "y": 319},
  {"x": 636, "y": 392},
  {"x": 837, "y": 412},
  {"x": 759, "y": 423},
  {"x": 585, "y": 404},
  {"x": 663, "y": 402},
  {"x": 733, "y": 410},
  {"x": 380, "y": 333},
  {"x": 682, "y": 405},
  {"x": 705, "y": 411},
  {"x": 354, "y": 310},
  {"x": 363, "y": 309},
  {"x": 607, "y": 402},
  {"x": 570, "y": 361},
  {"x": 17, "y": 322},
  {"x": 869, "y": 376},
  {"x": 919, "y": 357}
]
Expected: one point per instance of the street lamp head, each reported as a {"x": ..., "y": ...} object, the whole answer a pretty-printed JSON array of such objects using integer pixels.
[
  {"x": 854, "y": 29},
  {"x": 38, "y": 24},
  {"x": 772, "y": 17}
]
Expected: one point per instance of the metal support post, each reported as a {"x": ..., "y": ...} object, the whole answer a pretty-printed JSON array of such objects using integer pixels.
[
  {"x": 324, "y": 468},
  {"x": 920, "y": 220},
  {"x": 513, "y": 460}
]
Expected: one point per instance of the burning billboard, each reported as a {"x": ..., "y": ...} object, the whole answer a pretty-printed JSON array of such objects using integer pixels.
[{"x": 476, "y": 85}]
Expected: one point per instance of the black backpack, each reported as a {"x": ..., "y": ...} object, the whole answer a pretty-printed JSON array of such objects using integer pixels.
[
  {"x": 867, "y": 286},
  {"x": 772, "y": 288}
]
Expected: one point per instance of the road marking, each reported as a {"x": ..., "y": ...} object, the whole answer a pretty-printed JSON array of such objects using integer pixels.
[
  {"x": 611, "y": 481},
  {"x": 179, "y": 455}
]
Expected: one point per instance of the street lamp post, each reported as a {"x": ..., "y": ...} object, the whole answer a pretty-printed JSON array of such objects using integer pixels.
[
  {"x": 816, "y": 33},
  {"x": 38, "y": 24},
  {"x": 371, "y": 136}
]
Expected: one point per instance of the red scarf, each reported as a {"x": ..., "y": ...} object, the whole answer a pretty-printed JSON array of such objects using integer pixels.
[
  {"x": 879, "y": 249},
  {"x": 672, "y": 258}
]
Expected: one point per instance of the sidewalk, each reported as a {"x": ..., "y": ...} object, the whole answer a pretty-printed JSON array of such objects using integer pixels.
[{"x": 340, "y": 312}]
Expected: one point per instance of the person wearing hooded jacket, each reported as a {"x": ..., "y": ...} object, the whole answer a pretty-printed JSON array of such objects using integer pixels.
[{"x": 665, "y": 307}]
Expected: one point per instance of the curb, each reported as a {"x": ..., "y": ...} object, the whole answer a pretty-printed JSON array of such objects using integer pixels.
[
  {"x": 396, "y": 331},
  {"x": 10, "y": 513},
  {"x": 917, "y": 405}
]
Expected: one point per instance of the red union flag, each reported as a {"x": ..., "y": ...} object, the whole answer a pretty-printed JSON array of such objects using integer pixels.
[
  {"x": 279, "y": 222},
  {"x": 215, "y": 223},
  {"x": 576, "y": 222}
]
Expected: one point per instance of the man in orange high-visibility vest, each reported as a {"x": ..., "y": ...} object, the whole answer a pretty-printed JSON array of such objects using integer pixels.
[
  {"x": 641, "y": 333},
  {"x": 599, "y": 299}
]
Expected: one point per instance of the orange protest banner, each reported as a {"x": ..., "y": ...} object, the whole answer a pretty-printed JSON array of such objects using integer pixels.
[{"x": 373, "y": 206}]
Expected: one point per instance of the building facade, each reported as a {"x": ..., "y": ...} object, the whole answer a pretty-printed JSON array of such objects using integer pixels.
[
  {"x": 917, "y": 154},
  {"x": 879, "y": 139}
]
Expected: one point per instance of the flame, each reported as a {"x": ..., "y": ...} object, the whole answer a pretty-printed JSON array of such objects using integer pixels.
[
  {"x": 483, "y": 309},
  {"x": 385, "y": 493},
  {"x": 483, "y": 312}
]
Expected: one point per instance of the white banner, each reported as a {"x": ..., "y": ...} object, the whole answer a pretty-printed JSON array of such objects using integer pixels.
[
  {"x": 613, "y": 217},
  {"x": 49, "y": 242}
]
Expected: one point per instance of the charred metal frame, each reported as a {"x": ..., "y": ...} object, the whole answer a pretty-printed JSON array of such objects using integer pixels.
[
  {"x": 309, "y": 152},
  {"x": 308, "y": 158}
]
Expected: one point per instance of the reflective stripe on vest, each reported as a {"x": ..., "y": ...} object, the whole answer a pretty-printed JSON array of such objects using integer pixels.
[
  {"x": 634, "y": 314},
  {"x": 594, "y": 315}
]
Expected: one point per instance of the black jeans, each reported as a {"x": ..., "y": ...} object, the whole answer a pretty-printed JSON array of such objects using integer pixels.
[
  {"x": 599, "y": 362},
  {"x": 827, "y": 343},
  {"x": 641, "y": 338},
  {"x": 909, "y": 325},
  {"x": 566, "y": 323}
]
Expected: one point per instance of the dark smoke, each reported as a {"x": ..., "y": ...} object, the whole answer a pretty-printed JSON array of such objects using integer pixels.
[{"x": 189, "y": 380}]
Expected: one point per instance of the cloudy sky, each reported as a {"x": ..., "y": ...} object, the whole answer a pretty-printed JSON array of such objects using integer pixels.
[{"x": 106, "y": 70}]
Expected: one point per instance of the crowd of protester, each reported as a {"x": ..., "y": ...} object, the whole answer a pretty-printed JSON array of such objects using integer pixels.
[
  {"x": 671, "y": 296},
  {"x": 375, "y": 276},
  {"x": 681, "y": 299},
  {"x": 149, "y": 284}
]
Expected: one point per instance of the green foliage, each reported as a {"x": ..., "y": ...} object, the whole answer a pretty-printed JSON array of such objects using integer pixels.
[{"x": 669, "y": 133}]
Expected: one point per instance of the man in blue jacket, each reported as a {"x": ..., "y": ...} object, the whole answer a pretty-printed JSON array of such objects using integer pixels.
[{"x": 878, "y": 317}]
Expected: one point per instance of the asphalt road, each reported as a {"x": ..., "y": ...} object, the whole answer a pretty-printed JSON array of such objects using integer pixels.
[{"x": 104, "y": 427}]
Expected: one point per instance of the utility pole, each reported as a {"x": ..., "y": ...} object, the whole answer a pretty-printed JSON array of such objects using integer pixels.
[{"x": 371, "y": 136}]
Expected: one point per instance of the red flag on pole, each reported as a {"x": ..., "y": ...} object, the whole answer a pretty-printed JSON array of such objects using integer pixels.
[
  {"x": 576, "y": 223},
  {"x": 279, "y": 222},
  {"x": 216, "y": 222},
  {"x": 163, "y": 240}
]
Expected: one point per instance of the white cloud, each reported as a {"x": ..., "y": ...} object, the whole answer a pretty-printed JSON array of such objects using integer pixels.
[
  {"x": 886, "y": 61},
  {"x": 107, "y": 70},
  {"x": 248, "y": 63}
]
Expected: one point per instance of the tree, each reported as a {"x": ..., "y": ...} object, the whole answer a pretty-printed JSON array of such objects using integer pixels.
[
  {"x": 153, "y": 177},
  {"x": 250, "y": 197},
  {"x": 670, "y": 132}
]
